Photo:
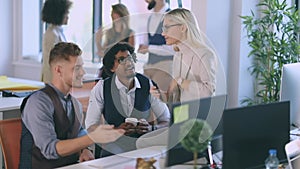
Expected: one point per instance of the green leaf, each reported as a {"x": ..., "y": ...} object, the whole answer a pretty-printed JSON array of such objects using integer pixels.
[{"x": 272, "y": 37}]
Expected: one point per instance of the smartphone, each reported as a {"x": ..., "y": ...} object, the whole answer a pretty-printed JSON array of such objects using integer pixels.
[{"x": 292, "y": 150}]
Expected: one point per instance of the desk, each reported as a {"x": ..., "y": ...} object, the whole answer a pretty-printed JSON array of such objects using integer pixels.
[
  {"x": 82, "y": 94},
  {"x": 121, "y": 161},
  {"x": 9, "y": 107},
  {"x": 128, "y": 160}
]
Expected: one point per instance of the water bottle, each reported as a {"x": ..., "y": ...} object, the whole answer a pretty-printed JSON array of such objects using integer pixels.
[{"x": 272, "y": 161}]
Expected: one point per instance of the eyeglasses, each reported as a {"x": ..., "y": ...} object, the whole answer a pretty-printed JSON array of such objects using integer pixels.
[
  {"x": 166, "y": 27},
  {"x": 131, "y": 58}
]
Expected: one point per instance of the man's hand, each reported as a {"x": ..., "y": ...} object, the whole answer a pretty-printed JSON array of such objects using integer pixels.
[
  {"x": 143, "y": 127},
  {"x": 86, "y": 155},
  {"x": 155, "y": 92},
  {"x": 160, "y": 94},
  {"x": 106, "y": 134},
  {"x": 128, "y": 127}
]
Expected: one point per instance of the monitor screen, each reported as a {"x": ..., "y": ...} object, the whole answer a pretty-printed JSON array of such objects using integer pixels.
[
  {"x": 209, "y": 109},
  {"x": 249, "y": 133},
  {"x": 290, "y": 90}
]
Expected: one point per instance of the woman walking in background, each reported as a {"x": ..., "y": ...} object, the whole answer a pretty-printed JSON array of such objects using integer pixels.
[{"x": 54, "y": 14}]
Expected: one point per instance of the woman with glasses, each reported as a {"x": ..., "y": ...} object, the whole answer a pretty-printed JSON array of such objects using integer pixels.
[
  {"x": 54, "y": 14},
  {"x": 195, "y": 63}
]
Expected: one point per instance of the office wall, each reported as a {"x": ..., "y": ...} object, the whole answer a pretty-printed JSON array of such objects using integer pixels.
[
  {"x": 218, "y": 31},
  {"x": 224, "y": 28},
  {"x": 6, "y": 45},
  {"x": 246, "y": 82}
]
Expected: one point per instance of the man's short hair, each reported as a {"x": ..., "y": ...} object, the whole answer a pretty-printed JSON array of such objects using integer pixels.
[
  {"x": 110, "y": 54},
  {"x": 63, "y": 51}
]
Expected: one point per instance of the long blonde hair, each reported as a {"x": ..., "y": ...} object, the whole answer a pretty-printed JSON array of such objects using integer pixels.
[{"x": 183, "y": 16}]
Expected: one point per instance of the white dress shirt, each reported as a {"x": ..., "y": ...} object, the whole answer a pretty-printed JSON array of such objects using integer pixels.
[
  {"x": 96, "y": 102},
  {"x": 154, "y": 21}
]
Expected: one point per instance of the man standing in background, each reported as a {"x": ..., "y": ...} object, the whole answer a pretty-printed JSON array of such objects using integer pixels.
[{"x": 159, "y": 65}]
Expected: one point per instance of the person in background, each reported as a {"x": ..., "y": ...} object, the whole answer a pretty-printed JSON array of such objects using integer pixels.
[
  {"x": 125, "y": 94},
  {"x": 119, "y": 32},
  {"x": 52, "y": 134},
  {"x": 159, "y": 65},
  {"x": 195, "y": 63},
  {"x": 54, "y": 14}
]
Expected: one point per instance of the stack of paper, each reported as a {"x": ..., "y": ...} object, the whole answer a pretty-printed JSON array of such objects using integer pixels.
[{"x": 7, "y": 84}]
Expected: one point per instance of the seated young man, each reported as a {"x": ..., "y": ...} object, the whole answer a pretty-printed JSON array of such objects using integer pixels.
[{"x": 125, "y": 94}]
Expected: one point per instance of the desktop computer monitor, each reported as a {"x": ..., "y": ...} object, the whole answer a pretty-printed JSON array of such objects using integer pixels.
[
  {"x": 209, "y": 109},
  {"x": 290, "y": 90},
  {"x": 249, "y": 133}
]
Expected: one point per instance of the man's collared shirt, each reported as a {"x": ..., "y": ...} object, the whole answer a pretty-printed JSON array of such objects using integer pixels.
[{"x": 96, "y": 102}]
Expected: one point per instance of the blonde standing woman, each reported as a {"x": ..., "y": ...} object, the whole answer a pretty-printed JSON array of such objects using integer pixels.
[{"x": 195, "y": 63}]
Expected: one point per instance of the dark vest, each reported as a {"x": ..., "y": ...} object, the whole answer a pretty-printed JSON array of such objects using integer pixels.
[
  {"x": 157, "y": 39},
  {"x": 31, "y": 156},
  {"x": 113, "y": 111}
]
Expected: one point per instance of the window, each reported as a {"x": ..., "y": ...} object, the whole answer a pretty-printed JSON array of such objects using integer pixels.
[
  {"x": 80, "y": 26},
  {"x": 85, "y": 17},
  {"x": 31, "y": 28}
]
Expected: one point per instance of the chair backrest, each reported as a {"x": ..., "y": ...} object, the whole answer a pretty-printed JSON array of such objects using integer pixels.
[
  {"x": 292, "y": 150},
  {"x": 10, "y": 135}
]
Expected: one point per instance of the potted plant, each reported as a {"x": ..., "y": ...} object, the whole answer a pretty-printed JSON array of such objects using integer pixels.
[
  {"x": 196, "y": 135},
  {"x": 273, "y": 37}
]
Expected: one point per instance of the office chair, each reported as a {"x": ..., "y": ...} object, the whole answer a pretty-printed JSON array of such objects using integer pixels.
[{"x": 10, "y": 135}]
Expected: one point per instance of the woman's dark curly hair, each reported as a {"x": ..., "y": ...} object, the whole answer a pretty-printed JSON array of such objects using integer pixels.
[
  {"x": 110, "y": 54},
  {"x": 54, "y": 11}
]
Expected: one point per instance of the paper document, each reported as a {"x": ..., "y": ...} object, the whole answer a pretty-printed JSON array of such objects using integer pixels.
[{"x": 7, "y": 84}]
